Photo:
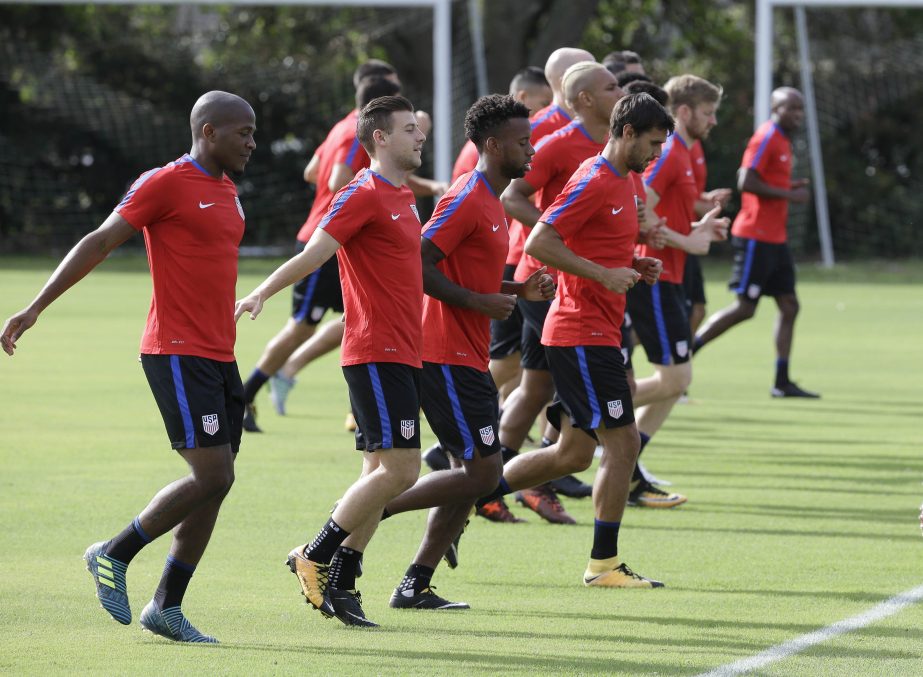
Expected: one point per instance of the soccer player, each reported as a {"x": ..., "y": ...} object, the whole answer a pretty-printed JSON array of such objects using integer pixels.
[
  {"x": 658, "y": 312},
  {"x": 464, "y": 248},
  {"x": 588, "y": 233},
  {"x": 373, "y": 228},
  {"x": 762, "y": 260},
  {"x": 192, "y": 222},
  {"x": 591, "y": 91},
  {"x": 624, "y": 60}
]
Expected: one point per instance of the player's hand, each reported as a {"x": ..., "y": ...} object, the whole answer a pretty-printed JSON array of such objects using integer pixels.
[
  {"x": 252, "y": 304},
  {"x": 539, "y": 286},
  {"x": 801, "y": 183},
  {"x": 649, "y": 268},
  {"x": 799, "y": 194},
  {"x": 495, "y": 306},
  {"x": 15, "y": 327},
  {"x": 656, "y": 236},
  {"x": 698, "y": 241},
  {"x": 720, "y": 196},
  {"x": 716, "y": 226},
  {"x": 620, "y": 280},
  {"x": 439, "y": 188}
]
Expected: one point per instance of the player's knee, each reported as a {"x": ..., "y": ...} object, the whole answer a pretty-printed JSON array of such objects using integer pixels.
[
  {"x": 745, "y": 310},
  {"x": 575, "y": 459},
  {"x": 216, "y": 484},
  {"x": 789, "y": 307},
  {"x": 485, "y": 478}
]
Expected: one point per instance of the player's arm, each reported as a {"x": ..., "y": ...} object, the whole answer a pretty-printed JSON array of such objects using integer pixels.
[
  {"x": 310, "y": 171},
  {"x": 710, "y": 198},
  {"x": 539, "y": 286},
  {"x": 749, "y": 181},
  {"x": 437, "y": 285},
  {"x": 84, "y": 257},
  {"x": 547, "y": 245},
  {"x": 517, "y": 201},
  {"x": 320, "y": 247}
]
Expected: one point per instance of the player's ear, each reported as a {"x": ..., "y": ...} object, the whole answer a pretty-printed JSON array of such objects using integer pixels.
[
  {"x": 378, "y": 136},
  {"x": 492, "y": 145},
  {"x": 208, "y": 131}
]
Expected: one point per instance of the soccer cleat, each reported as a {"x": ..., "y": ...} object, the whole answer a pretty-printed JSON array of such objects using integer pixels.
[
  {"x": 792, "y": 390},
  {"x": 347, "y": 606},
  {"x": 109, "y": 576},
  {"x": 619, "y": 577},
  {"x": 172, "y": 624},
  {"x": 279, "y": 388},
  {"x": 350, "y": 423},
  {"x": 571, "y": 487},
  {"x": 545, "y": 502},
  {"x": 437, "y": 458},
  {"x": 425, "y": 599},
  {"x": 249, "y": 422},
  {"x": 498, "y": 511},
  {"x": 646, "y": 495},
  {"x": 313, "y": 577}
]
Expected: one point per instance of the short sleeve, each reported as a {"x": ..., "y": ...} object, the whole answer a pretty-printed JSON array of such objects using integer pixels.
[
  {"x": 350, "y": 210},
  {"x": 574, "y": 206},
  {"x": 452, "y": 220},
  {"x": 350, "y": 153},
  {"x": 757, "y": 154},
  {"x": 148, "y": 199}
]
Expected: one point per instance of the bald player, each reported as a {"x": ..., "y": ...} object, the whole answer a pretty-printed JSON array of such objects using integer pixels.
[
  {"x": 192, "y": 222},
  {"x": 763, "y": 263}
]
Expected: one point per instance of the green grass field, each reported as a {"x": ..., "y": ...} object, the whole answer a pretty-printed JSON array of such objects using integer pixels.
[{"x": 800, "y": 514}]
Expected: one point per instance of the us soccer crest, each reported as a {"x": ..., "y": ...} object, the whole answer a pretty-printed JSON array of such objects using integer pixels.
[
  {"x": 413, "y": 208},
  {"x": 487, "y": 435},
  {"x": 615, "y": 408},
  {"x": 682, "y": 348},
  {"x": 210, "y": 423},
  {"x": 407, "y": 428},
  {"x": 240, "y": 208}
]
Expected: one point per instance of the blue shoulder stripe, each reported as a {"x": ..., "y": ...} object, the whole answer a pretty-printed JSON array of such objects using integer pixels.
[
  {"x": 762, "y": 148},
  {"x": 344, "y": 196},
  {"x": 575, "y": 193},
  {"x": 136, "y": 185},
  {"x": 352, "y": 151},
  {"x": 436, "y": 223}
]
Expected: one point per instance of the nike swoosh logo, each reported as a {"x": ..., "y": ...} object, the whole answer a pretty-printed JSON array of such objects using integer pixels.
[
  {"x": 590, "y": 579},
  {"x": 496, "y": 227},
  {"x": 202, "y": 205},
  {"x": 395, "y": 217},
  {"x": 616, "y": 211}
]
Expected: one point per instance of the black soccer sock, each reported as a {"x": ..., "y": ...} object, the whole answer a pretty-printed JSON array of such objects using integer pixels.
[
  {"x": 605, "y": 539},
  {"x": 254, "y": 383},
  {"x": 128, "y": 543},
  {"x": 343, "y": 568},
  {"x": 636, "y": 474},
  {"x": 325, "y": 544},
  {"x": 508, "y": 453},
  {"x": 781, "y": 372},
  {"x": 502, "y": 490},
  {"x": 417, "y": 578},
  {"x": 173, "y": 583}
]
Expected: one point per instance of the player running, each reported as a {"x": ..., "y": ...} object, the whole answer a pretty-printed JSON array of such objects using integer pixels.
[{"x": 193, "y": 223}]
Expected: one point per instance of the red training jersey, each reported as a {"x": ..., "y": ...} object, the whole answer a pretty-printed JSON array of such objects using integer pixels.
[
  {"x": 378, "y": 227},
  {"x": 192, "y": 225},
  {"x": 556, "y": 158},
  {"x": 672, "y": 178},
  {"x": 469, "y": 227},
  {"x": 769, "y": 153},
  {"x": 466, "y": 161},
  {"x": 597, "y": 218},
  {"x": 340, "y": 147},
  {"x": 699, "y": 169}
]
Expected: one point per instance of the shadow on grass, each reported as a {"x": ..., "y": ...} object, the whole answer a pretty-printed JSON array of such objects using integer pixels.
[{"x": 911, "y": 536}]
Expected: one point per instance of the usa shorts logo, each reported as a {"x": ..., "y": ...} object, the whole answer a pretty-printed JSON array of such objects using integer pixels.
[
  {"x": 210, "y": 423},
  {"x": 753, "y": 291},
  {"x": 615, "y": 408},
  {"x": 682, "y": 348},
  {"x": 487, "y": 435},
  {"x": 407, "y": 428}
]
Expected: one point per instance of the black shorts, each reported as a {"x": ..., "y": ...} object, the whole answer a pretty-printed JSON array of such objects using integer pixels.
[
  {"x": 658, "y": 313},
  {"x": 201, "y": 400},
  {"x": 506, "y": 335},
  {"x": 693, "y": 283},
  {"x": 533, "y": 321},
  {"x": 314, "y": 295},
  {"x": 591, "y": 386},
  {"x": 761, "y": 269},
  {"x": 462, "y": 408},
  {"x": 385, "y": 399},
  {"x": 628, "y": 346}
]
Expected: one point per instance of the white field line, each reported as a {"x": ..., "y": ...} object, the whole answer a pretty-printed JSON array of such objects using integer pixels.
[{"x": 799, "y": 644}]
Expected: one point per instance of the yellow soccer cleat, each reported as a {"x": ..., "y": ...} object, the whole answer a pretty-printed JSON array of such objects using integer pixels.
[
  {"x": 620, "y": 576},
  {"x": 313, "y": 577},
  {"x": 647, "y": 495}
]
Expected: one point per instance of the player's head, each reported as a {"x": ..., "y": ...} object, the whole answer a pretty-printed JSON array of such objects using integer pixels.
[
  {"x": 694, "y": 103},
  {"x": 623, "y": 60},
  {"x": 372, "y": 87},
  {"x": 655, "y": 91},
  {"x": 787, "y": 108},
  {"x": 375, "y": 68},
  {"x": 559, "y": 61},
  {"x": 625, "y": 77},
  {"x": 499, "y": 127},
  {"x": 642, "y": 125},
  {"x": 530, "y": 87},
  {"x": 387, "y": 126},
  {"x": 591, "y": 90},
  {"x": 222, "y": 127}
]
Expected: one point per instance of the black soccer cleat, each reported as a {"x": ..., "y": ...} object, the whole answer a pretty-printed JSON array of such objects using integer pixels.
[
  {"x": 424, "y": 599},
  {"x": 792, "y": 390},
  {"x": 437, "y": 458},
  {"x": 347, "y": 606},
  {"x": 249, "y": 422},
  {"x": 571, "y": 487}
]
